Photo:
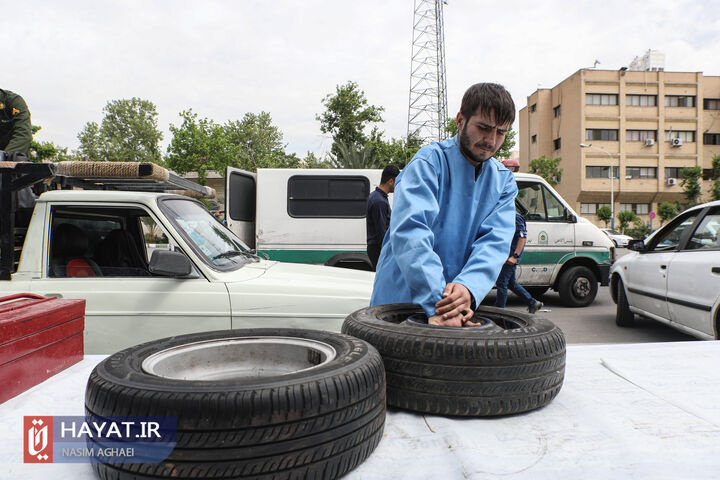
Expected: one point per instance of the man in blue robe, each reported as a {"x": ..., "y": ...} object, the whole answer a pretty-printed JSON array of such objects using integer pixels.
[{"x": 453, "y": 216}]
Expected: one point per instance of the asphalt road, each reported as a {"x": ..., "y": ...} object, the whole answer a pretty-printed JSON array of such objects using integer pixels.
[{"x": 596, "y": 323}]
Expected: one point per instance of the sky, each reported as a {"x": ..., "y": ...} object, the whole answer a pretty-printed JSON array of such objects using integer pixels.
[{"x": 225, "y": 58}]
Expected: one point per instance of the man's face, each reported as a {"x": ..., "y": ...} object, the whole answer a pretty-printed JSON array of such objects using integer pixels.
[{"x": 479, "y": 136}]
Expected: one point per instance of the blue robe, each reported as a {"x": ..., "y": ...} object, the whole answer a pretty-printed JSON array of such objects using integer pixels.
[{"x": 446, "y": 226}]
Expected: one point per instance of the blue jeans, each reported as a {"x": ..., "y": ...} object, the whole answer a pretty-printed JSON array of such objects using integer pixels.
[{"x": 505, "y": 281}]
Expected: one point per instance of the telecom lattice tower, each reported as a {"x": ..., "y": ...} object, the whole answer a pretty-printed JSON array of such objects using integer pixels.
[{"x": 427, "y": 113}]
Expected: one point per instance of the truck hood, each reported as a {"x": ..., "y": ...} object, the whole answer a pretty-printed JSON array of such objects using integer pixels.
[{"x": 300, "y": 291}]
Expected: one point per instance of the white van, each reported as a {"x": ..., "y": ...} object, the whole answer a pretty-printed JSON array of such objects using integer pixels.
[{"x": 318, "y": 216}]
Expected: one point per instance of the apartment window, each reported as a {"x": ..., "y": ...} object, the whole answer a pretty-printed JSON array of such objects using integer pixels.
[
  {"x": 641, "y": 172},
  {"x": 679, "y": 100},
  {"x": 640, "y": 135},
  {"x": 601, "y": 134},
  {"x": 533, "y": 139},
  {"x": 601, "y": 172},
  {"x": 673, "y": 172},
  {"x": 533, "y": 107},
  {"x": 592, "y": 208},
  {"x": 711, "y": 138},
  {"x": 711, "y": 104},
  {"x": 687, "y": 136},
  {"x": 641, "y": 100},
  {"x": 601, "y": 99},
  {"x": 323, "y": 196},
  {"x": 557, "y": 143},
  {"x": 556, "y": 111},
  {"x": 636, "y": 208}
]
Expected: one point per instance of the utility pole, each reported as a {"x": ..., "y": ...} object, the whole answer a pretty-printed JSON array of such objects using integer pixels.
[{"x": 427, "y": 111}]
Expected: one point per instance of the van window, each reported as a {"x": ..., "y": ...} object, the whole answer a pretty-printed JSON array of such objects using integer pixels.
[
  {"x": 241, "y": 204},
  {"x": 326, "y": 196},
  {"x": 541, "y": 205}
]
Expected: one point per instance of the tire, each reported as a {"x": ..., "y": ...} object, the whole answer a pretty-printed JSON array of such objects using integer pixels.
[
  {"x": 536, "y": 292},
  {"x": 578, "y": 286},
  {"x": 319, "y": 415},
  {"x": 623, "y": 316},
  {"x": 513, "y": 363}
]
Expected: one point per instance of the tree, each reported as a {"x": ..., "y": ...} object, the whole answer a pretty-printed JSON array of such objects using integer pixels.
[
  {"x": 505, "y": 149},
  {"x": 691, "y": 184},
  {"x": 198, "y": 145},
  {"x": 604, "y": 213},
  {"x": 346, "y": 116},
  {"x": 128, "y": 133},
  {"x": 45, "y": 151},
  {"x": 640, "y": 229},
  {"x": 625, "y": 217},
  {"x": 547, "y": 168},
  {"x": 396, "y": 151},
  {"x": 350, "y": 157},
  {"x": 666, "y": 211},
  {"x": 258, "y": 143},
  {"x": 716, "y": 177}
]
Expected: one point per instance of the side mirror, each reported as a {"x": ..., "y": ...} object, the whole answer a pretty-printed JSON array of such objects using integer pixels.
[
  {"x": 571, "y": 218},
  {"x": 170, "y": 264},
  {"x": 637, "y": 245}
]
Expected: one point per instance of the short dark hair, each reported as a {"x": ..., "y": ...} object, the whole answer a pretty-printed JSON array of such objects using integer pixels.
[
  {"x": 487, "y": 98},
  {"x": 391, "y": 171}
]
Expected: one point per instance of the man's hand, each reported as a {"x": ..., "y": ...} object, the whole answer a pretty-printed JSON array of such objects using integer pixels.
[
  {"x": 455, "y": 307},
  {"x": 511, "y": 261}
]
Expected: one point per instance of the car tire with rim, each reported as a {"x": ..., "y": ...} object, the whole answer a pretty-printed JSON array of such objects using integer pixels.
[
  {"x": 256, "y": 403},
  {"x": 511, "y": 363},
  {"x": 623, "y": 316},
  {"x": 578, "y": 286}
]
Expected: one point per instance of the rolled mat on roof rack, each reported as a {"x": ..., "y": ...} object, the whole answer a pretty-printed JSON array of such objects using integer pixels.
[{"x": 148, "y": 171}]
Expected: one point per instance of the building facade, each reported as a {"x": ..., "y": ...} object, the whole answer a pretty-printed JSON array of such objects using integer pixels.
[{"x": 647, "y": 125}]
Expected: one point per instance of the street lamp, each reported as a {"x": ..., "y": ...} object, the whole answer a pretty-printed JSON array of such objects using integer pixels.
[{"x": 612, "y": 181}]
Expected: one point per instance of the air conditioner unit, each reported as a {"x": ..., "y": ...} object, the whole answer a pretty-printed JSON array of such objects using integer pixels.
[
  {"x": 676, "y": 142},
  {"x": 671, "y": 181},
  {"x": 649, "y": 142}
]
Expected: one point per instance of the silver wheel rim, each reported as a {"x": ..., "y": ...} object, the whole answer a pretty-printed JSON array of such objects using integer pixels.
[
  {"x": 582, "y": 287},
  {"x": 238, "y": 358}
]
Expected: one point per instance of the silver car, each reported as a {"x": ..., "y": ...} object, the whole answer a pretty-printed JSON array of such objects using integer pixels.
[
  {"x": 673, "y": 276},
  {"x": 618, "y": 238}
]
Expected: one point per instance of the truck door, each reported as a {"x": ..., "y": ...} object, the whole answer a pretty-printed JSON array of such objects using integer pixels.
[{"x": 240, "y": 206}]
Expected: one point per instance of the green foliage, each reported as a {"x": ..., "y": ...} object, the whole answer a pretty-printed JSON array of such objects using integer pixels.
[
  {"x": 640, "y": 229},
  {"x": 716, "y": 177},
  {"x": 691, "y": 184},
  {"x": 45, "y": 151},
  {"x": 312, "y": 161},
  {"x": 128, "y": 133},
  {"x": 396, "y": 151},
  {"x": 346, "y": 116},
  {"x": 625, "y": 217},
  {"x": 349, "y": 156},
  {"x": 604, "y": 213},
  {"x": 666, "y": 211},
  {"x": 547, "y": 168},
  {"x": 505, "y": 149},
  {"x": 258, "y": 143}
]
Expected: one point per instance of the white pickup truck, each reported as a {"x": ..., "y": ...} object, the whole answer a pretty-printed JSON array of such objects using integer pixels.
[{"x": 151, "y": 264}]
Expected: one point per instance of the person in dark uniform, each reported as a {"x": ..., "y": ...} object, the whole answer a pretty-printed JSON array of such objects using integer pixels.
[
  {"x": 15, "y": 127},
  {"x": 377, "y": 217}
]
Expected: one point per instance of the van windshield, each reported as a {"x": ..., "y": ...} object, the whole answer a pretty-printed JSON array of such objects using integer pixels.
[{"x": 216, "y": 245}]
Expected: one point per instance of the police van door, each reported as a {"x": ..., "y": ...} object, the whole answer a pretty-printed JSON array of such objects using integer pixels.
[
  {"x": 240, "y": 203},
  {"x": 551, "y": 234}
]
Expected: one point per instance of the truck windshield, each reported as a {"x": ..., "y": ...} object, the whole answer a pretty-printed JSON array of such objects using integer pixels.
[{"x": 208, "y": 237}]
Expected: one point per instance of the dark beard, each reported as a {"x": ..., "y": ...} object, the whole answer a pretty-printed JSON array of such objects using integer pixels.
[{"x": 465, "y": 147}]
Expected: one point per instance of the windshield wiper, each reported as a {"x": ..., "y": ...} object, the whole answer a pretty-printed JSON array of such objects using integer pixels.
[{"x": 231, "y": 253}]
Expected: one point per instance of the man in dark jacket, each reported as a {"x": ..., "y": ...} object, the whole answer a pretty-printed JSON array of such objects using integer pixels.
[{"x": 377, "y": 218}]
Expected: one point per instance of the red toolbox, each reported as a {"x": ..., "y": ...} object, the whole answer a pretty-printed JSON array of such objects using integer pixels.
[{"x": 38, "y": 338}]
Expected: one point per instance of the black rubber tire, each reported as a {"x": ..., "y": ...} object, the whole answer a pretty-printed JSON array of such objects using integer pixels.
[
  {"x": 318, "y": 423},
  {"x": 623, "y": 316},
  {"x": 578, "y": 286},
  {"x": 536, "y": 292},
  {"x": 514, "y": 363}
]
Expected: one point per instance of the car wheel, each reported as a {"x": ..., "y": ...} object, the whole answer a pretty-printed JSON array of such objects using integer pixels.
[
  {"x": 578, "y": 286},
  {"x": 256, "y": 403},
  {"x": 512, "y": 362},
  {"x": 623, "y": 316}
]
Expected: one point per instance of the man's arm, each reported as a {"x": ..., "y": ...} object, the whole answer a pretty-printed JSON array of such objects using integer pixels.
[
  {"x": 411, "y": 239},
  {"x": 378, "y": 213},
  {"x": 21, "y": 133}
]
